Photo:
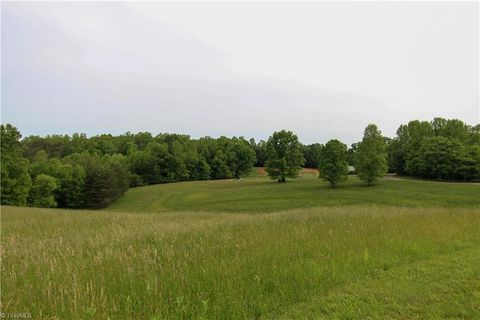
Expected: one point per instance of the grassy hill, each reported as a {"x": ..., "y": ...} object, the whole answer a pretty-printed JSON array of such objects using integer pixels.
[
  {"x": 194, "y": 251},
  {"x": 260, "y": 194}
]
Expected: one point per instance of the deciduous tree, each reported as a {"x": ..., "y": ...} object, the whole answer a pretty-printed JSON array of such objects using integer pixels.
[
  {"x": 15, "y": 178},
  {"x": 333, "y": 163},
  {"x": 371, "y": 157},
  {"x": 43, "y": 189},
  {"x": 284, "y": 156}
]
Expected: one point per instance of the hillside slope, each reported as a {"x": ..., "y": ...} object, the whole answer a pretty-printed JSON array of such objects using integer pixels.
[{"x": 260, "y": 194}]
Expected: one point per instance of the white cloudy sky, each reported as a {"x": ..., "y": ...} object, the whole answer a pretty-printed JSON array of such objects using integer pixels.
[{"x": 324, "y": 70}]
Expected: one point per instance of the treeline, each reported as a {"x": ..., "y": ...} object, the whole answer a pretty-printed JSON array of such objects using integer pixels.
[
  {"x": 80, "y": 172},
  {"x": 440, "y": 149},
  {"x": 90, "y": 172}
]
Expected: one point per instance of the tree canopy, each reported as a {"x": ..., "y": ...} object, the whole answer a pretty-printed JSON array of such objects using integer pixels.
[
  {"x": 284, "y": 156},
  {"x": 371, "y": 156},
  {"x": 15, "y": 178},
  {"x": 93, "y": 172},
  {"x": 443, "y": 149},
  {"x": 333, "y": 165}
]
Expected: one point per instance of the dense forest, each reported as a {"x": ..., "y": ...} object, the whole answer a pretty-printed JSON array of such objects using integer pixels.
[
  {"x": 90, "y": 172},
  {"x": 441, "y": 149}
]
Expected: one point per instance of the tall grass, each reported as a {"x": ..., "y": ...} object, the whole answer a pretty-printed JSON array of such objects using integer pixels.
[{"x": 87, "y": 264}]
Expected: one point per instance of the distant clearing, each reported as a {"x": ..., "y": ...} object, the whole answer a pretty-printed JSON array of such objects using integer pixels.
[{"x": 264, "y": 195}]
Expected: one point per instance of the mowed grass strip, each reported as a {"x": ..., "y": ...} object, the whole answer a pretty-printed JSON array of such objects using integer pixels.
[
  {"x": 447, "y": 287},
  {"x": 83, "y": 264},
  {"x": 263, "y": 195}
]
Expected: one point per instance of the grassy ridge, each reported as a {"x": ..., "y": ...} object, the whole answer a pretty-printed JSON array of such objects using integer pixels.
[
  {"x": 299, "y": 263},
  {"x": 263, "y": 195}
]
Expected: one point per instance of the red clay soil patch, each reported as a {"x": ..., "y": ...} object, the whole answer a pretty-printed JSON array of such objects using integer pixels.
[{"x": 261, "y": 171}]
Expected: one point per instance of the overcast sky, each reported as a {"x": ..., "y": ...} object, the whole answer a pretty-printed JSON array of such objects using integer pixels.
[{"x": 324, "y": 70}]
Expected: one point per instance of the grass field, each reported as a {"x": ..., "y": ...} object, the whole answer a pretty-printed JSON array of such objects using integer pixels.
[
  {"x": 399, "y": 250},
  {"x": 260, "y": 194}
]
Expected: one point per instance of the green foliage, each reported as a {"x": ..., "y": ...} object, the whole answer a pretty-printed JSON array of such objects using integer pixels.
[
  {"x": 453, "y": 129},
  {"x": 15, "y": 179},
  {"x": 134, "y": 180},
  {"x": 110, "y": 163},
  {"x": 284, "y": 156},
  {"x": 436, "y": 158},
  {"x": 311, "y": 153},
  {"x": 410, "y": 137},
  {"x": 260, "y": 149},
  {"x": 220, "y": 169},
  {"x": 72, "y": 182},
  {"x": 371, "y": 157},
  {"x": 446, "y": 159},
  {"x": 395, "y": 157},
  {"x": 106, "y": 178},
  {"x": 163, "y": 164},
  {"x": 10, "y": 139},
  {"x": 42, "y": 193},
  {"x": 142, "y": 165},
  {"x": 171, "y": 158},
  {"x": 70, "y": 179},
  {"x": 351, "y": 154},
  {"x": 468, "y": 167},
  {"x": 240, "y": 157},
  {"x": 441, "y": 149},
  {"x": 333, "y": 165},
  {"x": 388, "y": 148},
  {"x": 57, "y": 146},
  {"x": 197, "y": 166}
]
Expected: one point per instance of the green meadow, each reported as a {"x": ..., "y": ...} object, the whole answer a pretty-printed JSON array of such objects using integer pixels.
[
  {"x": 259, "y": 194},
  {"x": 251, "y": 249}
]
